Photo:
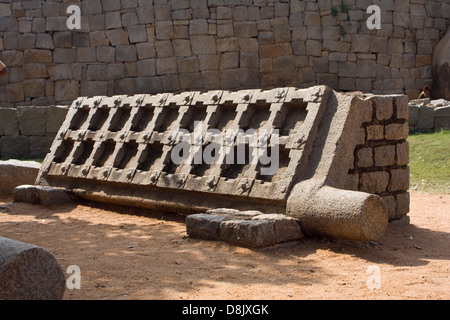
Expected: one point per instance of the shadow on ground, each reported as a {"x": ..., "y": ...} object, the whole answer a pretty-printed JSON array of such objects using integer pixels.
[{"x": 127, "y": 251}]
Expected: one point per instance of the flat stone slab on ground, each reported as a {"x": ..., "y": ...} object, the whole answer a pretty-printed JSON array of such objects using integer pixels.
[
  {"x": 246, "y": 228},
  {"x": 426, "y": 117},
  {"x": 41, "y": 195}
]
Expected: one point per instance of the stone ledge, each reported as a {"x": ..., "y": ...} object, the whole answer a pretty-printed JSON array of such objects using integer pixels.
[
  {"x": 29, "y": 272},
  {"x": 245, "y": 228},
  {"x": 14, "y": 173},
  {"x": 426, "y": 114}
]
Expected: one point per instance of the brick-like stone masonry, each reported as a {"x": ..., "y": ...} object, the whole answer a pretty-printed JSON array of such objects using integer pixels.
[
  {"x": 139, "y": 46},
  {"x": 423, "y": 115},
  {"x": 27, "y": 132},
  {"x": 343, "y": 157},
  {"x": 382, "y": 154}
]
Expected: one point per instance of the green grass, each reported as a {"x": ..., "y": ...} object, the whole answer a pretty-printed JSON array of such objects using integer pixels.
[{"x": 430, "y": 161}]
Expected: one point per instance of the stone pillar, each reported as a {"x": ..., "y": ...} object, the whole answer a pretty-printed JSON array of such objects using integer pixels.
[{"x": 337, "y": 213}]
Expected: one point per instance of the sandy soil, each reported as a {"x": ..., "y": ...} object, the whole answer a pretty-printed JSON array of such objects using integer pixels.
[{"x": 126, "y": 253}]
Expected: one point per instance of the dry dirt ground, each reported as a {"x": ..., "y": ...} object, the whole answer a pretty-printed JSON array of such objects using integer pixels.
[{"x": 125, "y": 253}]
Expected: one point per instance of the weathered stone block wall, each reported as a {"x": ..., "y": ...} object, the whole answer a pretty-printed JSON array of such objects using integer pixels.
[
  {"x": 382, "y": 154},
  {"x": 14, "y": 173},
  {"x": 27, "y": 132},
  {"x": 137, "y": 46},
  {"x": 424, "y": 117}
]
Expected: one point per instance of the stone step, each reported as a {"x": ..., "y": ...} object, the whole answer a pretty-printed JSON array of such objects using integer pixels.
[{"x": 244, "y": 228}]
